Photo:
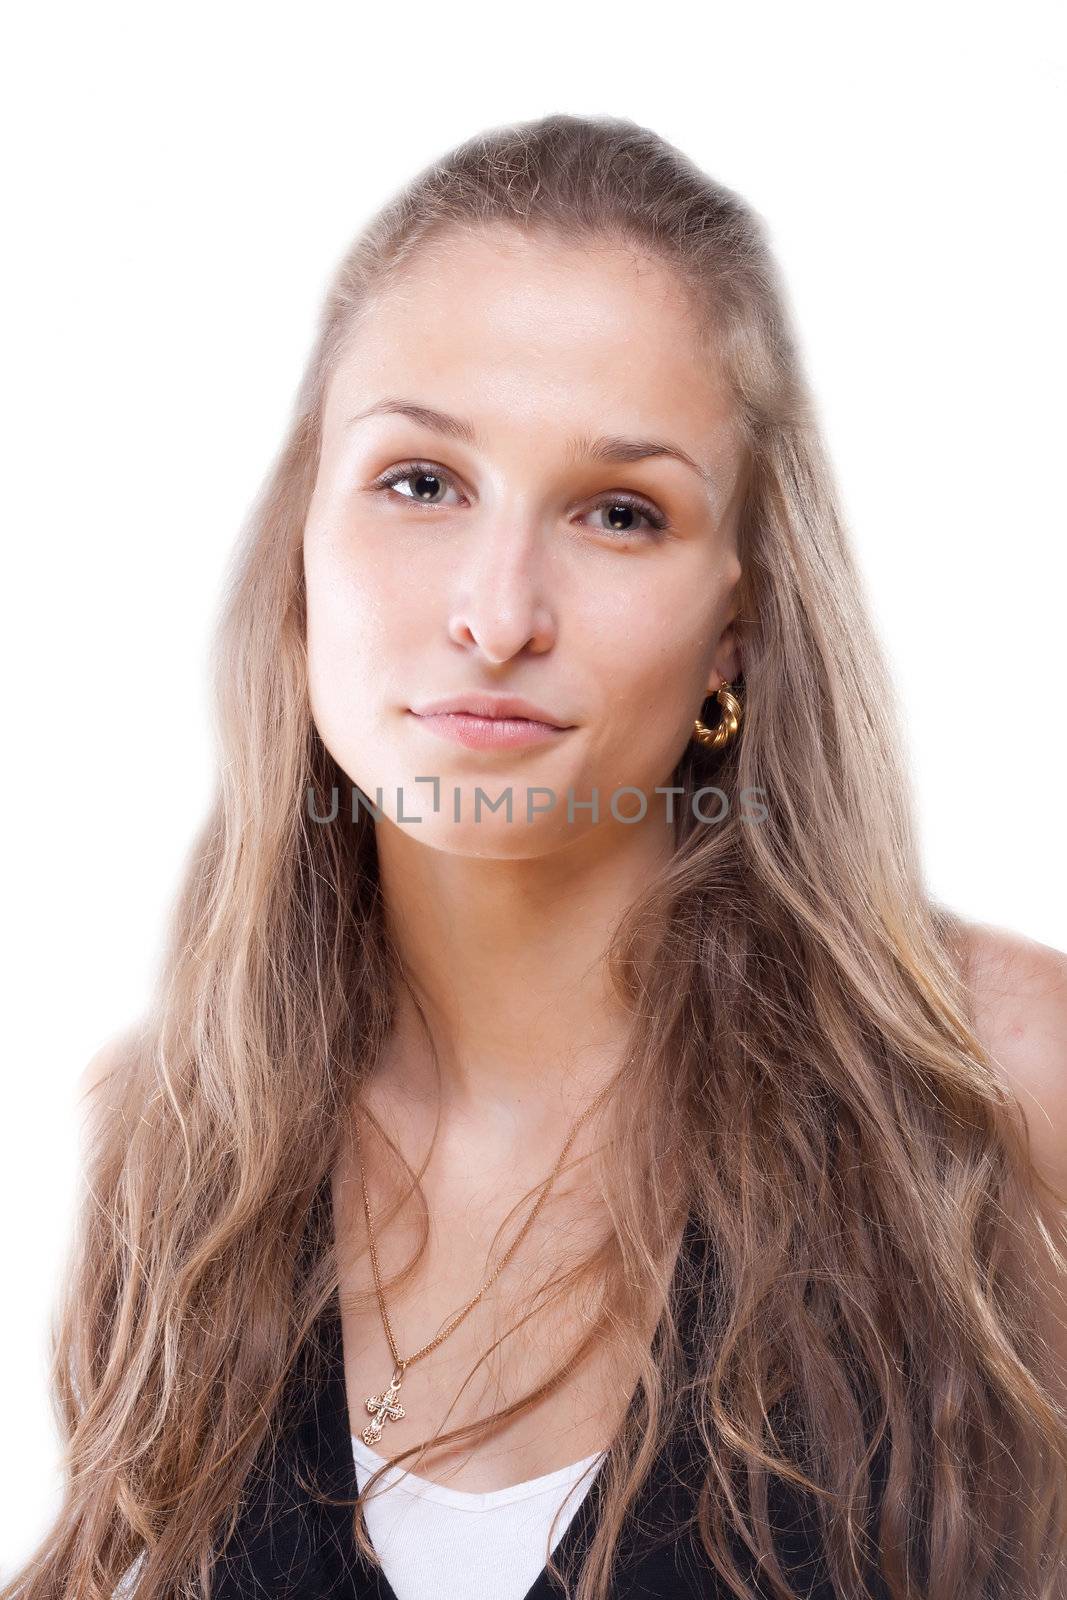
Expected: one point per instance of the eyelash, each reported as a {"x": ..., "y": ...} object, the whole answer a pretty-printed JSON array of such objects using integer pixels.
[{"x": 658, "y": 523}]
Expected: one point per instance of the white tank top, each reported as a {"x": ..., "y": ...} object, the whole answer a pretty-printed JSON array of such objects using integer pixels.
[{"x": 433, "y": 1540}]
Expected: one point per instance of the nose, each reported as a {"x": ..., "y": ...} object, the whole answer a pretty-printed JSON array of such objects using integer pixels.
[{"x": 501, "y": 604}]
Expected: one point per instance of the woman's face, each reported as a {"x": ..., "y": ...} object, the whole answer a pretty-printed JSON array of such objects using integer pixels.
[{"x": 495, "y": 513}]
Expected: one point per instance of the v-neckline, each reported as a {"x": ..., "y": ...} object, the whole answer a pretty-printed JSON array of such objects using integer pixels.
[{"x": 328, "y": 1440}]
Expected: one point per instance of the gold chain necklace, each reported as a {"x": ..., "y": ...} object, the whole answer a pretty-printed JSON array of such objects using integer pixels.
[{"x": 385, "y": 1407}]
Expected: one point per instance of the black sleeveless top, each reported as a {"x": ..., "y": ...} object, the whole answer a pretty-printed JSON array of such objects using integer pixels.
[{"x": 290, "y": 1544}]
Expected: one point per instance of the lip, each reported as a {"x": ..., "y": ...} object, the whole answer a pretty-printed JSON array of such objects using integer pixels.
[
  {"x": 479, "y": 704},
  {"x": 486, "y": 722}
]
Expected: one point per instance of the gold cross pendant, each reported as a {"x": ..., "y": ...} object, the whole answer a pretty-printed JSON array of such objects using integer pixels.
[{"x": 383, "y": 1408}]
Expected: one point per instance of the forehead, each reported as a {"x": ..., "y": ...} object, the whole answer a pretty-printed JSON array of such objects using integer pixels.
[{"x": 524, "y": 331}]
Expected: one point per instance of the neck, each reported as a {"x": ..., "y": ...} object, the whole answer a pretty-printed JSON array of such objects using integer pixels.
[{"x": 505, "y": 961}]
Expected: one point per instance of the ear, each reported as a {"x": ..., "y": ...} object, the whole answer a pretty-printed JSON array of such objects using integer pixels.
[{"x": 727, "y": 659}]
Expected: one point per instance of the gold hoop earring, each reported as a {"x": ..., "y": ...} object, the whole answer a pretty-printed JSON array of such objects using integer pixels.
[{"x": 727, "y": 725}]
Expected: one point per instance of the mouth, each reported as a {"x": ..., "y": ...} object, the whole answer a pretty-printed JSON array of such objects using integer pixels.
[
  {"x": 490, "y": 707},
  {"x": 483, "y": 724}
]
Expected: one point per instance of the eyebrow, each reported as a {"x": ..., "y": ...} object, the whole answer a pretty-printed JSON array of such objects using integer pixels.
[{"x": 608, "y": 447}]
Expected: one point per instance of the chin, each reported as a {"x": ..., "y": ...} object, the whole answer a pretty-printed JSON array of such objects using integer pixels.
[{"x": 490, "y": 836}]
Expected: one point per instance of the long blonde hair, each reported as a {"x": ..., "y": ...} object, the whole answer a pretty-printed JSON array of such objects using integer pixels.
[{"x": 803, "y": 1050}]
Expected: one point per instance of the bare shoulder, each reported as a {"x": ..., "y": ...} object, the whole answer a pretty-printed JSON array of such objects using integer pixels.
[
  {"x": 1019, "y": 990},
  {"x": 102, "y": 1066}
]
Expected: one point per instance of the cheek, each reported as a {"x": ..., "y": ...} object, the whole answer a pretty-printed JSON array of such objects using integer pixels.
[
  {"x": 650, "y": 648},
  {"x": 358, "y": 618},
  {"x": 658, "y": 690},
  {"x": 362, "y": 612}
]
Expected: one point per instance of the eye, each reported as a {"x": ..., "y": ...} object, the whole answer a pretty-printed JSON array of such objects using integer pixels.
[
  {"x": 627, "y": 510},
  {"x": 426, "y": 480},
  {"x": 631, "y": 506}
]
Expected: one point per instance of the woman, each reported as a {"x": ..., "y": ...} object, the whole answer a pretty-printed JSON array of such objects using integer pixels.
[{"x": 568, "y": 1139}]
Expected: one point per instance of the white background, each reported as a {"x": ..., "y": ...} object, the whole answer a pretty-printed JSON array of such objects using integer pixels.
[{"x": 181, "y": 183}]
